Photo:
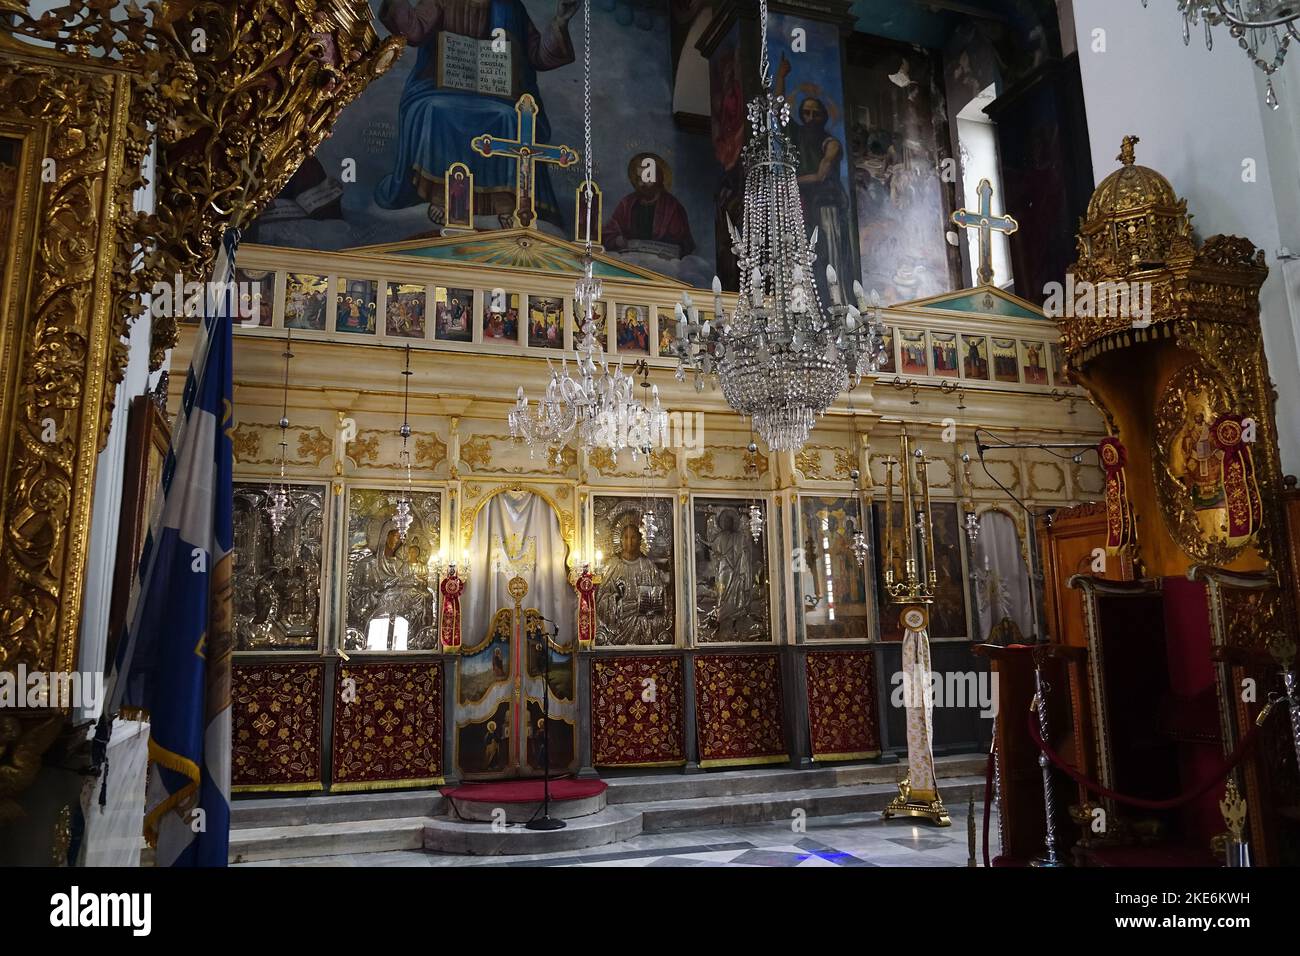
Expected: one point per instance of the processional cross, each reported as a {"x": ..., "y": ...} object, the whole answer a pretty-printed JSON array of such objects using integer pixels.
[
  {"x": 526, "y": 151},
  {"x": 987, "y": 224}
]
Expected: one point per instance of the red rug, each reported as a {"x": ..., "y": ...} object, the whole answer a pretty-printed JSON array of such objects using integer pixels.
[{"x": 524, "y": 791}]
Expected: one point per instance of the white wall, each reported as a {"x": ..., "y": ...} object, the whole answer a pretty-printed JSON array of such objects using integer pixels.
[
  {"x": 106, "y": 505},
  {"x": 1201, "y": 115}
]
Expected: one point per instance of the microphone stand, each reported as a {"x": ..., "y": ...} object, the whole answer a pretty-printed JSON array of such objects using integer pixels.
[{"x": 545, "y": 821}]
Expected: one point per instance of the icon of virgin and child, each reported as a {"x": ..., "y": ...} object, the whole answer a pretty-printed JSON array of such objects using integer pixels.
[{"x": 474, "y": 59}]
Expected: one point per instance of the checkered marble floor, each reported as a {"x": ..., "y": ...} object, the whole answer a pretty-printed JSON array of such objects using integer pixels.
[{"x": 842, "y": 841}]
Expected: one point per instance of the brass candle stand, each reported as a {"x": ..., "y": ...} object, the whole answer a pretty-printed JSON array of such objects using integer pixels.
[{"x": 911, "y": 580}]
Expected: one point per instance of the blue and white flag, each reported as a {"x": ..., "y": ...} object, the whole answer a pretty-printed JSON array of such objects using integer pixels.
[{"x": 174, "y": 660}]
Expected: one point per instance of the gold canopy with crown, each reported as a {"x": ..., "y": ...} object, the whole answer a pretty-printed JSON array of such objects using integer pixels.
[
  {"x": 1138, "y": 235},
  {"x": 1164, "y": 372},
  {"x": 1134, "y": 220}
]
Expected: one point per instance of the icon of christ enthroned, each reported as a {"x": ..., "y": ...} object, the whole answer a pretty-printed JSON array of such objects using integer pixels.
[{"x": 465, "y": 84}]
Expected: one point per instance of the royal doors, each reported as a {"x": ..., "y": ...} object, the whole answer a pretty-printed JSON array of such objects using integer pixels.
[{"x": 517, "y": 660}]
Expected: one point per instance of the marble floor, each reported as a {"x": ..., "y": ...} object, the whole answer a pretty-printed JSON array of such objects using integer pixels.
[{"x": 850, "y": 840}]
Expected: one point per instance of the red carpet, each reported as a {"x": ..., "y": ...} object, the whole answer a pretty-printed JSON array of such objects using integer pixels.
[{"x": 524, "y": 791}]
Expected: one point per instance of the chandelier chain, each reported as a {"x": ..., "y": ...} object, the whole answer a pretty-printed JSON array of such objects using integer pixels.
[
  {"x": 586, "y": 122},
  {"x": 597, "y": 404}
]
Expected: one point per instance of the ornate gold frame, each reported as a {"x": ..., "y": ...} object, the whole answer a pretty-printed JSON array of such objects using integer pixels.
[{"x": 85, "y": 93}]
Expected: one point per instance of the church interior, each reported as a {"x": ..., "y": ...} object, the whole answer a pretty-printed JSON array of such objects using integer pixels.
[{"x": 629, "y": 433}]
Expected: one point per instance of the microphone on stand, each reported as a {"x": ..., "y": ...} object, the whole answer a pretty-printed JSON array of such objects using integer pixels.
[{"x": 545, "y": 821}]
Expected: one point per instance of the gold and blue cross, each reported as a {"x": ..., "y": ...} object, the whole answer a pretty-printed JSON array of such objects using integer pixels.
[
  {"x": 987, "y": 224},
  {"x": 526, "y": 151}
]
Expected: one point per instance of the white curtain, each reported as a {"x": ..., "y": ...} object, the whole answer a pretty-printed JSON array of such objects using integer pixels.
[
  {"x": 516, "y": 532},
  {"x": 1001, "y": 580}
]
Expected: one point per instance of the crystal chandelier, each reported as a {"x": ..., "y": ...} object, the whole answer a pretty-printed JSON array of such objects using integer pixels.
[
  {"x": 780, "y": 357},
  {"x": 1263, "y": 28},
  {"x": 279, "y": 507},
  {"x": 402, "y": 516},
  {"x": 599, "y": 405}
]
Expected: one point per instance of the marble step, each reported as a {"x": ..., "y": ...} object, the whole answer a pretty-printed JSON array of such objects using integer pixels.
[
  {"x": 759, "y": 780},
  {"x": 482, "y": 811},
  {"x": 260, "y": 812},
  {"x": 326, "y": 839},
  {"x": 610, "y": 825},
  {"x": 744, "y": 809}
]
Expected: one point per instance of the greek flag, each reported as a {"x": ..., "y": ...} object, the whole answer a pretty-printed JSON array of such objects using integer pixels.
[{"x": 173, "y": 662}]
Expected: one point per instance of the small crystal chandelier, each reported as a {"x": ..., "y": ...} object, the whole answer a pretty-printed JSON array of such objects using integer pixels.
[
  {"x": 755, "y": 510},
  {"x": 402, "y": 516},
  {"x": 859, "y": 539},
  {"x": 599, "y": 405},
  {"x": 279, "y": 507},
  {"x": 649, "y": 523},
  {"x": 972, "y": 520},
  {"x": 1262, "y": 28},
  {"x": 780, "y": 358}
]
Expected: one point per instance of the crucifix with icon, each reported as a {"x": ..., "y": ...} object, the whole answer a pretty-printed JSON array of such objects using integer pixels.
[
  {"x": 526, "y": 151},
  {"x": 987, "y": 224}
]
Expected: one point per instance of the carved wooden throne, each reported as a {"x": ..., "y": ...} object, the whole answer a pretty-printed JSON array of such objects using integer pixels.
[{"x": 1172, "y": 356}]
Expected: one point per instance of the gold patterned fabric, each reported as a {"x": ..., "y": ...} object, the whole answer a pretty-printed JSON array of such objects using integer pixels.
[
  {"x": 637, "y": 714},
  {"x": 842, "y": 705},
  {"x": 276, "y": 725},
  {"x": 738, "y": 709},
  {"x": 387, "y": 725}
]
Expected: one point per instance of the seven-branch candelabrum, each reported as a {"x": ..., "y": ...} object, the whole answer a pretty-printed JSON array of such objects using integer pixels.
[
  {"x": 598, "y": 404},
  {"x": 911, "y": 576},
  {"x": 1264, "y": 29},
  {"x": 780, "y": 356}
]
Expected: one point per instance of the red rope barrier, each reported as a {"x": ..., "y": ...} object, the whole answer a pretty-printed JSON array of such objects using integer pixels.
[{"x": 1093, "y": 786}]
